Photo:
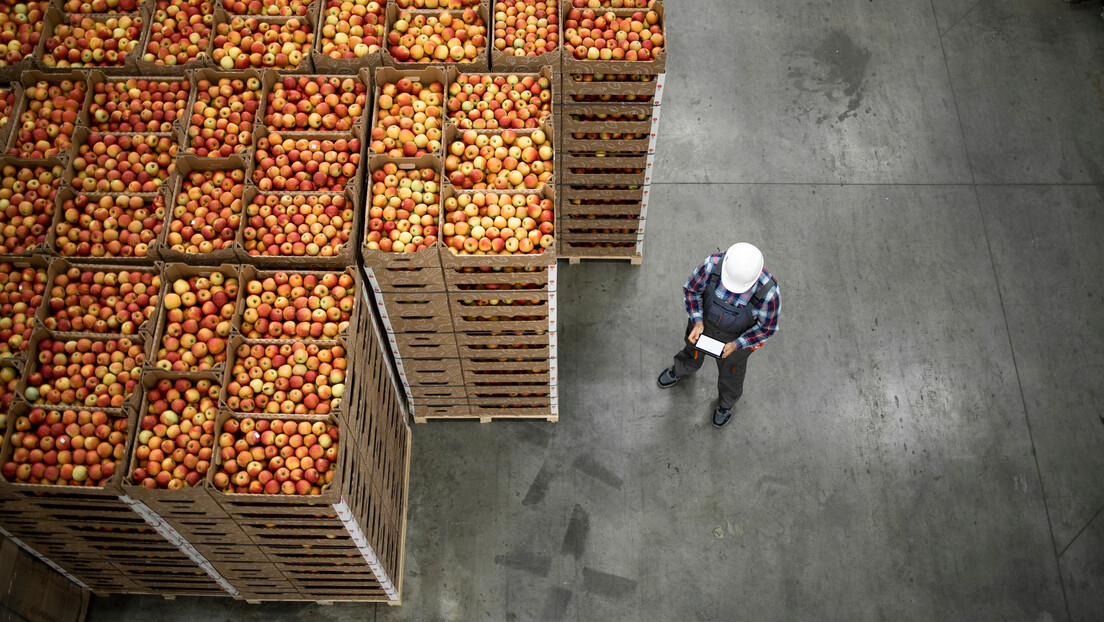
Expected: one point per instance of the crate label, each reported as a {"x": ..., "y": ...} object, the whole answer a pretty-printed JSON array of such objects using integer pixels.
[
  {"x": 372, "y": 280},
  {"x": 552, "y": 278},
  {"x": 361, "y": 542},
  {"x": 23, "y": 545},
  {"x": 657, "y": 99}
]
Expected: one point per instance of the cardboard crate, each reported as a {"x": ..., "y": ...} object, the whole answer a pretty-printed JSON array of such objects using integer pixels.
[
  {"x": 617, "y": 142},
  {"x": 453, "y": 134},
  {"x": 157, "y": 68},
  {"x": 404, "y": 272},
  {"x": 59, "y": 267},
  {"x": 44, "y": 207},
  {"x": 311, "y": 19},
  {"x": 424, "y": 74},
  {"x": 130, "y": 400},
  {"x": 403, "y": 312},
  {"x": 514, "y": 278},
  {"x": 502, "y": 62},
  {"x": 24, "y": 81},
  {"x": 172, "y": 127},
  {"x": 152, "y": 201},
  {"x": 127, "y": 61},
  {"x": 582, "y": 86},
  {"x": 570, "y": 64},
  {"x": 627, "y": 171},
  {"x": 515, "y": 409},
  {"x": 576, "y": 250},
  {"x": 18, "y": 357},
  {"x": 431, "y": 372},
  {"x": 431, "y": 345},
  {"x": 480, "y": 63},
  {"x": 231, "y": 252},
  {"x": 249, "y": 274},
  {"x": 424, "y": 412},
  {"x": 29, "y": 62},
  {"x": 242, "y": 151},
  {"x": 333, "y": 519},
  {"x": 173, "y": 272},
  {"x": 469, "y": 315},
  {"x": 476, "y": 346},
  {"x": 324, "y": 63},
  {"x": 83, "y": 136},
  {"x": 537, "y": 71},
  {"x": 36, "y": 592},
  {"x": 272, "y": 77},
  {"x": 316, "y": 140},
  {"x": 346, "y": 250},
  {"x": 588, "y": 194}
]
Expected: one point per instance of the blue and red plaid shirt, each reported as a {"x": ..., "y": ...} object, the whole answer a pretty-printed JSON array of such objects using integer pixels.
[{"x": 766, "y": 315}]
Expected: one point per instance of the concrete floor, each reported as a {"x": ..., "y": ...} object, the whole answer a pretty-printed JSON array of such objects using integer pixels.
[{"x": 922, "y": 440}]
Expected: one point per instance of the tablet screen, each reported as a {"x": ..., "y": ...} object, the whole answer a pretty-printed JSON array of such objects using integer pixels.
[{"x": 710, "y": 345}]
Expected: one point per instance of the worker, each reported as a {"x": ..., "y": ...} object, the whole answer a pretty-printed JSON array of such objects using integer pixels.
[{"x": 732, "y": 299}]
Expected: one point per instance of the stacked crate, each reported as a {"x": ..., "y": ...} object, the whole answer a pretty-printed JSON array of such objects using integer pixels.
[
  {"x": 434, "y": 304},
  {"x": 204, "y": 210},
  {"x": 608, "y": 114}
]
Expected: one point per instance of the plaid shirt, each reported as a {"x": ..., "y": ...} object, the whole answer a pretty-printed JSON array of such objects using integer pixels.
[{"x": 766, "y": 315}]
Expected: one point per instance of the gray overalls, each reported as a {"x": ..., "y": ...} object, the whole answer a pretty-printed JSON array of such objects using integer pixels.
[{"x": 723, "y": 322}]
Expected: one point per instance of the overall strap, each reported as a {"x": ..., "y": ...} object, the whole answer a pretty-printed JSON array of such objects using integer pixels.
[
  {"x": 761, "y": 293},
  {"x": 714, "y": 276}
]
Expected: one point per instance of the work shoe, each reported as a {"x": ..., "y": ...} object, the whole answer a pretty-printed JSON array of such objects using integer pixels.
[
  {"x": 721, "y": 416},
  {"x": 667, "y": 379}
]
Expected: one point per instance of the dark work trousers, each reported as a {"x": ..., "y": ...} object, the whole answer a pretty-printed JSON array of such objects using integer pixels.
[{"x": 730, "y": 371}]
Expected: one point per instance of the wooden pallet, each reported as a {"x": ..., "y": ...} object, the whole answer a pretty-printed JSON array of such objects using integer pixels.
[
  {"x": 636, "y": 260},
  {"x": 488, "y": 419}
]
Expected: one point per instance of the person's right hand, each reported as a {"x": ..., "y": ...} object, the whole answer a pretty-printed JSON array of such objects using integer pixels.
[{"x": 696, "y": 332}]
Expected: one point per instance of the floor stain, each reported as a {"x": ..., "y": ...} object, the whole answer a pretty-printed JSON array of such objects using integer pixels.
[
  {"x": 606, "y": 584},
  {"x": 835, "y": 69},
  {"x": 589, "y": 466},
  {"x": 556, "y": 607},
  {"x": 526, "y": 561},
  {"x": 540, "y": 485},
  {"x": 578, "y": 528}
]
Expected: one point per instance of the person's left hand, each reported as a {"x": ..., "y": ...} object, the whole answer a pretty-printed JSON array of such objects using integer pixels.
[{"x": 729, "y": 348}]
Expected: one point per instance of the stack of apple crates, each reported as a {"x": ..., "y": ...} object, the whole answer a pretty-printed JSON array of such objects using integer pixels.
[
  {"x": 608, "y": 119},
  {"x": 473, "y": 336},
  {"x": 345, "y": 544}
]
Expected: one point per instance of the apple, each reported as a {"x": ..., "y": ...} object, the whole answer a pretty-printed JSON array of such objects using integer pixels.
[
  {"x": 404, "y": 208},
  {"x": 26, "y": 205},
  {"x": 67, "y": 448},
  {"x": 94, "y": 373},
  {"x": 609, "y": 135},
  {"x": 130, "y": 163},
  {"x": 7, "y": 103},
  {"x": 102, "y": 301},
  {"x": 314, "y": 305},
  {"x": 305, "y": 164},
  {"x": 21, "y": 26},
  {"x": 526, "y": 27},
  {"x": 500, "y": 160},
  {"x": 445, "y": 37},
  {"x": 87, "y": 7},
  {"x": 271, "y": 8},
  {"x": 110, "y": 226},
  {"x": 490, "y": 223},
  {"x": 180, "y": 31},
  {"x": 612, "y": 35},
  {"x": 223, "y": 116},
  {"x": 283, "y": 225},
  {"x": 451, "y": 5},
  {"x": 176, "y": 434},
  {"x": 137, "y": 105},
  {"x": 21, "y": 293},
  {"x": 208, "y": 211},
  {"x": 197, "y": 319},
  {"x": 250, "y": 470},
  {"x": 49, "y": 118},
  {"x": 409, "y": 119},
  {"x": 351, "y": 28},
  {"x": 489, "y": 101},
  {"x": 102, "y": 41},
  {"x": 315, "y": 104},
  {"x": 246, "y": 42}
]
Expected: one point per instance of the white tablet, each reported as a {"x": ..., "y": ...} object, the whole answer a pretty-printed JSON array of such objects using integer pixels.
[{"x": 710, "y": 346}]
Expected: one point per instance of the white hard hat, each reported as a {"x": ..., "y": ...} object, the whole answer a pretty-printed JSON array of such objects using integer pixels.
[{"x": 742, "y": 265}]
